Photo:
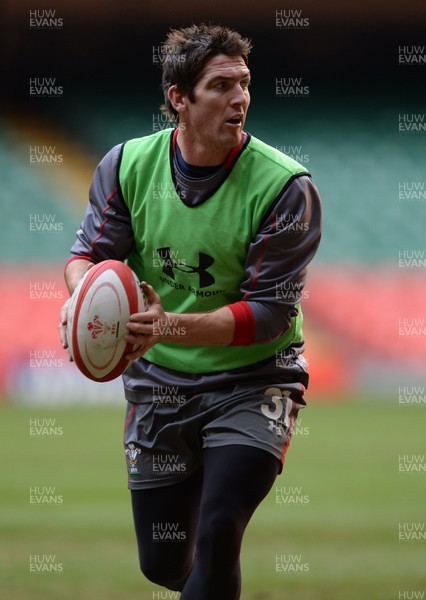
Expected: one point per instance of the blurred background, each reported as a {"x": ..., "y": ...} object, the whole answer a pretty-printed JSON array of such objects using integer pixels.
[
  {"x": 331, "y": 86},
  {"x": 341, "y": 88}
]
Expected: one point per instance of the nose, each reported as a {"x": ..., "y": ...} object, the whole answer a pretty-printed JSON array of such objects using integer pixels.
[{"x": 241, "y": 96}]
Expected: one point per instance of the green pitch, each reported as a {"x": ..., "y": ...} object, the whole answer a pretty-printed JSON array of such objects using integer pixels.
[{"x": 329, "y": 529}]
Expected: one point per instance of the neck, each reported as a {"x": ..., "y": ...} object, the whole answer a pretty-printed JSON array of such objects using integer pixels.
[{"x": 199, "y": 155}]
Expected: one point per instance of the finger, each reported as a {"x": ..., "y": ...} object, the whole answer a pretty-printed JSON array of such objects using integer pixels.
[
  {"x": 144, "y": 317},
  {"x": 146, "y": 288},
  {"x": 62, "y": 330},
  {"x": 151, "y": 295},
  {"x": 139, "y": 317},
  {"x": 140, "y": 350},
  {"x": 135, "y": 329},
  {"x": 63, "y": 314},
  {"x": 135, "y": 354},
  {"x": 134, "y": 338},
  {"x": 63, "y": 318}
]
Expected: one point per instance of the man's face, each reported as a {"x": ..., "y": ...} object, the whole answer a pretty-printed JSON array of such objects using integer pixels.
[{"x": 215, "y": 120}]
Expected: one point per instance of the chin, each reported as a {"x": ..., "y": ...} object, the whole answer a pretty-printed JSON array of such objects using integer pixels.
[{"x": 232, "y": 138}]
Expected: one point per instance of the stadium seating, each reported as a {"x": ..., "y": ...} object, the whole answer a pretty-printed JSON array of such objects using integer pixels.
[{"x": 357, "y": 290}]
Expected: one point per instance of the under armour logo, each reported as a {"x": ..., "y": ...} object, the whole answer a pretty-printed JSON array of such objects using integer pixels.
[{"x": 204, "y": 262}]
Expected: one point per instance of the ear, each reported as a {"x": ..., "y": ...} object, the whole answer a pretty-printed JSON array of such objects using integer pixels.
[{"x": 177, "y": 98}]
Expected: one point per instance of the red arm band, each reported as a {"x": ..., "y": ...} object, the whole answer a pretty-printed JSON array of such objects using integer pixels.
[
  {"x": 77, "y": 258},
  {"x": 244, "y": 324}
]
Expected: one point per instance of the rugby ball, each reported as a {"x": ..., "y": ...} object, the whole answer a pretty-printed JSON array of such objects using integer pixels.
[{"x": 99, "y": 309}]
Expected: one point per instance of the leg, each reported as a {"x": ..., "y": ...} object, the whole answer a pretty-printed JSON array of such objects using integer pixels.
[
  {"x": 165, "y": 523},
  {"x": 236, "y": 479}
]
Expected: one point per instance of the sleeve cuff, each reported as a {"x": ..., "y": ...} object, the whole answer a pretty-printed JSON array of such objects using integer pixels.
[
  {"x": 73, "y": 258},
  {"x": 245, "y": 325}
]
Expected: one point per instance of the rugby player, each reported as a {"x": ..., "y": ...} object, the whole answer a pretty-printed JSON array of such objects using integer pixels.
[{"x": 220, "y": 227}]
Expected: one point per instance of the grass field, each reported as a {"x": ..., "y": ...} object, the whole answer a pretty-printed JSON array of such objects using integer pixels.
[{"x": 338, "y": 514}]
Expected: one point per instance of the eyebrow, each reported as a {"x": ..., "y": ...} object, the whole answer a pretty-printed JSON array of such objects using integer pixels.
[{"x": 228, "y": 78}]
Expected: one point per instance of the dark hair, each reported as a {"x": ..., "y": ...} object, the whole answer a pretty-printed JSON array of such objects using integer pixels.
[{"x": 185, "y": 52}]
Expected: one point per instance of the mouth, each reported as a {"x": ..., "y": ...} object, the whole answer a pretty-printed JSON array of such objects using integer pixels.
[{"x": 235, "y": 121}]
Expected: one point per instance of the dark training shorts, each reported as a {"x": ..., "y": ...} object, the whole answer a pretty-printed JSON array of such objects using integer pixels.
[{"x": 168, "y": 428}]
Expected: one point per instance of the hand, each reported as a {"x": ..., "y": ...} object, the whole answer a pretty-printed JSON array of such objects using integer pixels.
[
  {"x": 143, "y": 327},
  {"x": 74, "y": 271}
]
